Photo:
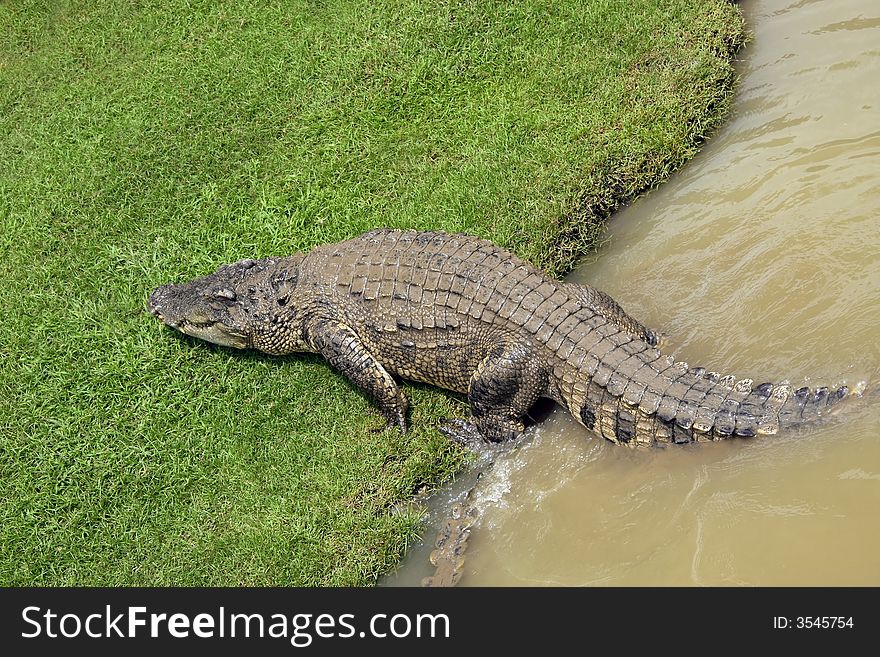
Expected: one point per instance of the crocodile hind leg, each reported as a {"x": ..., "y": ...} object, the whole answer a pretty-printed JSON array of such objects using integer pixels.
[
  {"x": 608, "y": 308},
  {"x": 506, "y": 383},
  {"x": 343, "y": 349}
]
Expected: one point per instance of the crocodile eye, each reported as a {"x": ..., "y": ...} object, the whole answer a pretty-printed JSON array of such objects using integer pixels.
[{"x": 225, "y": 293}]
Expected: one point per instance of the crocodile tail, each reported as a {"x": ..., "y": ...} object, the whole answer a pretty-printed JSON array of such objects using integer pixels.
[
  {"x": 808, "y": 405},
  {"x": 667, "y": 402},
  {"x": 769, "y": 407}
]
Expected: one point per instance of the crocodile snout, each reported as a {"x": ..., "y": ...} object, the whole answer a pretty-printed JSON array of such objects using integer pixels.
[{"x": 154, "y": 302}]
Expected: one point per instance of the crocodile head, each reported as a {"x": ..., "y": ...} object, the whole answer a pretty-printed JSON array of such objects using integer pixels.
[{"x": 231, "y": 307}]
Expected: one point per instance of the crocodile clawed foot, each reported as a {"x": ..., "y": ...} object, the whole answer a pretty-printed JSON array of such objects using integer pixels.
[
  {"x": 396, "y": 421},
  {"x": 654, "y": 339},
  {"x": 463, "y": 432}
]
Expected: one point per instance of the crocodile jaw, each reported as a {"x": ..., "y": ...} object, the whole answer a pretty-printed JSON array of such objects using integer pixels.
[{"x": 192, "y": 318}]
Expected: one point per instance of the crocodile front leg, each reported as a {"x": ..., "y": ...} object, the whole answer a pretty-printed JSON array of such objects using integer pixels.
[
  {"x": 507, "y": 382},
  {"x": 343, "y": 349}
]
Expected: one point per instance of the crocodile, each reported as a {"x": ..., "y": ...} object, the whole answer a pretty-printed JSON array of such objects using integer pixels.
[
  {"x": 450, "y": 545},
  {"x": 461, "y": 313}
]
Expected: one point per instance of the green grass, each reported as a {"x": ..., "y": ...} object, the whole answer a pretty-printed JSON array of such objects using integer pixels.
[{"x": 148, "y": 142}]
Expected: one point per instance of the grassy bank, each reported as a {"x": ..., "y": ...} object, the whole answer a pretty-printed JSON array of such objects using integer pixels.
[{"x": 142, "y": 143}]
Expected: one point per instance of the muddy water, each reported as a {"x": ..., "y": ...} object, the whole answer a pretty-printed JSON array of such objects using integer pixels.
[{"x": 761, "y": 258}]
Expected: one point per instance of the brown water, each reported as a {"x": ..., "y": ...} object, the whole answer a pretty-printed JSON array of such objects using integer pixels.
[{"x": 761, "y": 258}]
